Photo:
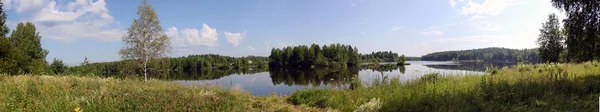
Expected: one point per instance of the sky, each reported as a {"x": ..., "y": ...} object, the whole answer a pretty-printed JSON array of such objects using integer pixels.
[{"x": 74, "y": 29}]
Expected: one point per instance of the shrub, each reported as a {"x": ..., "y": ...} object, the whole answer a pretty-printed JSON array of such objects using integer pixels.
[
  {"x": 372, "y": 106},
  {"x": 431, "y": 77},
  {"x": 311, "y": 97}
]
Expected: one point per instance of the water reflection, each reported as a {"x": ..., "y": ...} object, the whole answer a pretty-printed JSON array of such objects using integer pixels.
[
  {"x": 282, "y": 81},
  {"x": 385, "y": 68},
  {"x": 212, "y": 74},
  {"x": 470, "y": 66},
  {"x": 313, "y": 77}
]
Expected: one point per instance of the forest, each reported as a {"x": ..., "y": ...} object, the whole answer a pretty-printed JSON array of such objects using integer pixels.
[
  {"x": 172, "y": 67},
  {"x": 486, "y": 54},
  {"x": 381, "y": 56},
  {"x": 334, "y": 55}
]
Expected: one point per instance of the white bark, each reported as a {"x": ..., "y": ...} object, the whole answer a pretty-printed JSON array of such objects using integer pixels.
[{"x": 146, "y": 69}]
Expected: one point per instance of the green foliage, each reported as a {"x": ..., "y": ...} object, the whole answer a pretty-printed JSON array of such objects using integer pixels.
[
  {"x": 335, "y": 55},
  {"x": 551, "y": 40},
  {"x": 381, "y": 56},
  {"x": 355, "y": 83},
  {"x": 413, "y": 58},
  {"x": 27, "y": 55},
  {"x": 145, "y": 40},
  {"x": 581, "y": 28},
  {"x": 544, "y": 87},
  {"x": 208, "y": 66},
  {"x": 486, "y": 54},
  {"x": 92, "y": 94},
  {"x": 311, "y": 97},
  {"x": 22, "y": 52},
  {"x": 3, "y": 27},
  {"x": 430, "y": 77},
  {"x": 401, "y": 60},
  {"x": 57, "y": 66},
  {"x": 8, "y": 64}
]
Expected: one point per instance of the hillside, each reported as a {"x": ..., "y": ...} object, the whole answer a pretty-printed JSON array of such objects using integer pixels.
[{"x": 485, "y": 54}]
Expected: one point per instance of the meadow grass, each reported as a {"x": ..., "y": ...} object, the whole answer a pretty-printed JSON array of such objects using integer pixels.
[
  {"x": 537, "y": 87},
  {"x": 71, "y": 93}
]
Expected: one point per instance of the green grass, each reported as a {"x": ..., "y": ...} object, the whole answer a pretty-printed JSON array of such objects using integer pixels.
[
  {"x": 67, "y": 93},
  {"x": 540, "y": 87}
]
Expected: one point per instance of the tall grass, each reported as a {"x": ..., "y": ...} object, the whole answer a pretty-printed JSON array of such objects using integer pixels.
[
  {"x": 538, "y": 87},
  {"x": 67, "y": 93}
]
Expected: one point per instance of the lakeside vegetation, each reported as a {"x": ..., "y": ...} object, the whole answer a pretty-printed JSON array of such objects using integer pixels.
[
  {"x": 551, "y": 86},
  {"x": 381, "y": 56},
  {"x": 537, "y": 87},
  {"x": 171, "y": 67},
  {"x": 334, "y": 55},
  {"x": 95, "y": 94}
]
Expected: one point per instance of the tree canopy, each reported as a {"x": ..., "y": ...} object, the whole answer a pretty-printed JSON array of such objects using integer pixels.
[
  {"x": 485, "y": 54},
  {"x": 550, "y": 40},
  {"x": 581, "y": 28},
  {"x": 380, "y": 56},
  {"x": 334, "y": 55},
  {"x": 145, "y": 40},
  {"x": 187, "y": 66}
]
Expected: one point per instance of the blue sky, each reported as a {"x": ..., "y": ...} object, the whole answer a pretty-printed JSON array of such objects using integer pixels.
[{"x": 74, "y": 29}]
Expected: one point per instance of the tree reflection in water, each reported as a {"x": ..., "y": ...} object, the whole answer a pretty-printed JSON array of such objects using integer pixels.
[{"x": 337, "y": 77}]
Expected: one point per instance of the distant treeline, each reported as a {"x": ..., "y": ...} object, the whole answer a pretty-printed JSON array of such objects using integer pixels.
[
  {"x": 381, "y": 56},
  {"x": 486, "y": 54},
  {"x": 413, "y": 58},
  {"x": 172, "y": 67},
  {"x": 334, "y": 55}
]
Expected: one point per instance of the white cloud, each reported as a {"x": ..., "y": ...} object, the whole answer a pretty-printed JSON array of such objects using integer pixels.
[
  {"x": 80, "y": 19},
  {"x": 394, "y": 28},
  {"x": 432, "y": 32},
  {"x": 184, "y": 41},
  {"x": 484, "y": 9},
  {"x": 452, "y": 3},
  {"x": 176, "y": 40},
  {"x": 25, "y": 5},
  {"x": 193, "y": 37},
  {"x": 209, "y": 36},
  {"x": 235, "y": 38}
]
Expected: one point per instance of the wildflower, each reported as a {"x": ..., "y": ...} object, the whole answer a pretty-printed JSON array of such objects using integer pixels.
[{"x": 77, "y": 109}]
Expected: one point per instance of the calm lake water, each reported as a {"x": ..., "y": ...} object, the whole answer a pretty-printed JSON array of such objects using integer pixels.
[{"x": 286, "y": 81}]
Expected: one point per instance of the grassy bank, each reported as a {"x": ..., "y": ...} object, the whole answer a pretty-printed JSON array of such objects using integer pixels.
[
  {"x": 68, "y": 93},
  {"x": 541, "y": 87}
]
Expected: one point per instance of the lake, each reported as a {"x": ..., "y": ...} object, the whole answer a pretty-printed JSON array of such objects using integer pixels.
[{"x": 286, "y": 81}]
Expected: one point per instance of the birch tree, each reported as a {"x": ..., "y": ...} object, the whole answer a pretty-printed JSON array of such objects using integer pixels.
[{"x": 145, "y": 39}]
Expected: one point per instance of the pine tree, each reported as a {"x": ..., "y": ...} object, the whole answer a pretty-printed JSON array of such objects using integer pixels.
[{"x": 550, "y": 40}]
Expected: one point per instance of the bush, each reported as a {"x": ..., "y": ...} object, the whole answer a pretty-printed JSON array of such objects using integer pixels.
[
  {"x": 372, "y": 106},
  {"x": 57, "y": 66},
  {"x": 355, "y": 83},
  {"x": 311, "y": 97},
  {"x": 431, "y": 77}
]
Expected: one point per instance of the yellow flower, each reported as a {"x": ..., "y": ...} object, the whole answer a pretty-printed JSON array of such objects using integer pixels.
[{"x": 78, "y": 109}]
